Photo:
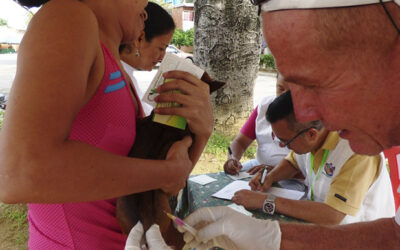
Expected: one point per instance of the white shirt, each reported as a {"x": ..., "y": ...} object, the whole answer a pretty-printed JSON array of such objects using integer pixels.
[
  {"x": 268, "y": 151},
  {"x": 129, "y": 70}
]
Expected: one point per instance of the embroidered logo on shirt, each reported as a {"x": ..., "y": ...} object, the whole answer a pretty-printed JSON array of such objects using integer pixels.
[
  {"x": 329, "y": 169},
  {"x": 340, "y": 197}
]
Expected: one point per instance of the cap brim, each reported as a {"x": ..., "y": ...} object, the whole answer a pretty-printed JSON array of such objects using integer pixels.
[{"x": 274, "y": 5}]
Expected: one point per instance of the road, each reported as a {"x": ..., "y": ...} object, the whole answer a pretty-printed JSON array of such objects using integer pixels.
[{"x": 265, "y": 82}]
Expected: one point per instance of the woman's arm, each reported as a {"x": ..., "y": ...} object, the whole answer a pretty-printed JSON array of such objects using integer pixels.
[
  {"x": 239, "y": 145},
  {"x": 57, "y": 71}
]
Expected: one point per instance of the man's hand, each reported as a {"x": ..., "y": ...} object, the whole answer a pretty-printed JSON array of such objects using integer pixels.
[
  {"x": 232, "y": 166},
  {"x": 226, "y": 228},
  {"x": 255, "y": 182},
  {"x": 256, "y": 169},
  {"x": 249, "y": 199}
]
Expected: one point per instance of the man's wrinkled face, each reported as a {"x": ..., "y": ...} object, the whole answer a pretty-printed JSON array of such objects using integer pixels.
[{"x": 346, "y": 94}]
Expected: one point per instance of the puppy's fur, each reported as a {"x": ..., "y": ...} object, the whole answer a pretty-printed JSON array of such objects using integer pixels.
[{"x": 153, "y": 141}]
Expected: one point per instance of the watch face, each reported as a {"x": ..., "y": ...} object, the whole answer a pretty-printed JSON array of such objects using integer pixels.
[{"x": 269, "y": 207}]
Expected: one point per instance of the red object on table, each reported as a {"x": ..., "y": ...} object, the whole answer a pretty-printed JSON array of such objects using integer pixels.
[{"x": 393, "y": 156}]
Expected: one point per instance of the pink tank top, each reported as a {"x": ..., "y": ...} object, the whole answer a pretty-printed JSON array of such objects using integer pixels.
[{"x": 107, "y": 121}]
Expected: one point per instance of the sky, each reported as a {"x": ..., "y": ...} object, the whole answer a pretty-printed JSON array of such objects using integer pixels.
[{"x": 14, "y": 14}]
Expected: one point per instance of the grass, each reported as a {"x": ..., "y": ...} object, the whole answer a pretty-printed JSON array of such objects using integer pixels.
[
  {"x": 13, "y": 218},
  {"x": 13, "y": 226},
  {"x": 216, "y": 153}
]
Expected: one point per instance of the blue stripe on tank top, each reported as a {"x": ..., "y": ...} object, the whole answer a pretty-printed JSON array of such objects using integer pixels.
[
  {"x": 115, "y": 75},
  {"x": 114, "y": 87}
]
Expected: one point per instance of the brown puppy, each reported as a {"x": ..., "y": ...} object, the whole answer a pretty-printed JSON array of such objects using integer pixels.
[{"x": 153, "y": 141}]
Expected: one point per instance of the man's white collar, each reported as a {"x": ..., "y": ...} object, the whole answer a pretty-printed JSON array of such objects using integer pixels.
[{"x": 315, "y": 4}]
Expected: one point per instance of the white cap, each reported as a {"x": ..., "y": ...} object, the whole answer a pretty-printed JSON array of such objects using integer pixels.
[{"x": 315, "y": 4}]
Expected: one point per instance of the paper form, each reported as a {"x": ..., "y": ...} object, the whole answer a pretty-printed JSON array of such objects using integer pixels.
[
  {"x": 202, "y": 179},
  {"x": 169, "y": 63},
  {"x": 229, "y": 190},
  {"x": 285, "y": 193},
  {"x": 241, "y": 175}
]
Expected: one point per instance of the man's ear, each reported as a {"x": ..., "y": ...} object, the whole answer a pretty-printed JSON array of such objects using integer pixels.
[{"x": 312, "y": 134}]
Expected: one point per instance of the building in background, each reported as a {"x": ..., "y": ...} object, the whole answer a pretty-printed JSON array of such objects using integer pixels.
[
  {"x": 10, "y": 39},
  {"x": 182, "y": 13}
]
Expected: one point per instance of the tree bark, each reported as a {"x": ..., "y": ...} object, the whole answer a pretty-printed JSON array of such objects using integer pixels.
[{"x": 227, "y": 41}]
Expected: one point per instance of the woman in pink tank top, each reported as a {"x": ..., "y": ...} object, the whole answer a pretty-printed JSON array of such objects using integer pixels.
[{"x": 70, "y": 123}]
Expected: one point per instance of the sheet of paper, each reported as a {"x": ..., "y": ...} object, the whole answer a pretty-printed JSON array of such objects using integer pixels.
[
  {"x": 202, "y": 179},
  {"x": 229, "y": 190},
  {"x": 170, "y": 62},
  {"x": 241, "y": 175},
  {"x": 240, "y": 209},
  {"x": 285, "y": 193}
]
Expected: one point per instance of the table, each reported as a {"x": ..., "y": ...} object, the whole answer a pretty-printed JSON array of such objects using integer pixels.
[{"x": 195, "y": 196}]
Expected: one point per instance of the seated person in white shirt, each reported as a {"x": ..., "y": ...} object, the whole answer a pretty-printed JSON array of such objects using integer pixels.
[
  {"x": 269, "y": 153},
  {"x": 149, "y": 49},
  {"x": 343, "y": 187}
]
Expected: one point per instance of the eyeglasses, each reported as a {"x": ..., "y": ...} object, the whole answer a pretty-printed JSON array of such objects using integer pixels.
[
  {"x": 257, "y": 2},
  {"x": 386, "y": 11},
  {"x": 286, "y": 143}
]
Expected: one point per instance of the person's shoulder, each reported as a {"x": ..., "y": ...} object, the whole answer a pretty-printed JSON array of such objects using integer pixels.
[
  {"x": 65, "y": 16},
  {"x": 63, "y": 25}
]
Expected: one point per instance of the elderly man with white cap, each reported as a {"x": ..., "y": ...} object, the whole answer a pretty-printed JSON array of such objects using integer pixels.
[{"x": 341, "y": 59}]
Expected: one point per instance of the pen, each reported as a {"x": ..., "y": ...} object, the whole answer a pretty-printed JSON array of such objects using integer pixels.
[
  {"x": 231, "y": 157},
  {"x": 263, "y": 176},
  {"x": 230, "y": 152},
  {"x": 181, "y": 223}
]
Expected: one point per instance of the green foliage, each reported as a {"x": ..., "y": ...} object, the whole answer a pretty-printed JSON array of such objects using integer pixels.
[
  {"x": 218, "y": 145},
  {"x": 1, "y": 118},
  {"x": 7, "y": 51},
  {"x": 267, "y": 61},
  {"x": 183, "y": 38},
  {"x": 3, "y": 22}
]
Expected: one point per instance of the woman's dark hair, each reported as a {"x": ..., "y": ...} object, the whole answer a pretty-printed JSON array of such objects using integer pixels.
[
  {"x": 159, "y": 22},
  {"x": 31, "y": 3}
]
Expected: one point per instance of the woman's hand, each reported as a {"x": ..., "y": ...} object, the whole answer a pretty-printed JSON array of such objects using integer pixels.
[
  {"x": 232, "y": 166},
  {"x": 194, "y": 96},
  {"x": 180, "y": 166}
]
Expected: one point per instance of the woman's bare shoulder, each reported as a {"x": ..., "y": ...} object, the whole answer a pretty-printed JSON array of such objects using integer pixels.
[{"x": 66, "y": 18}]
